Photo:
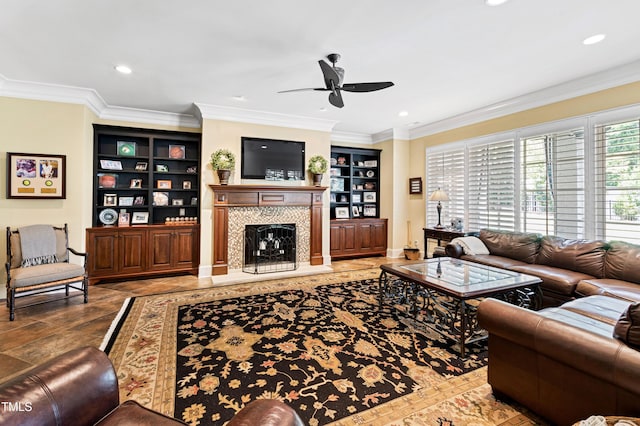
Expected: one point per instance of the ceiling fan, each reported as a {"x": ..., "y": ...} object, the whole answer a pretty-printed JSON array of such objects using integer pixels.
[{"x": 333, "y": 77}]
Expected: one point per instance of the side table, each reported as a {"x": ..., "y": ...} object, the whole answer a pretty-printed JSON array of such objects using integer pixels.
[{"x": 442, "y": 234}]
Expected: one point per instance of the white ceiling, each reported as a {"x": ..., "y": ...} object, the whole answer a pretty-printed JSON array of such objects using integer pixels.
[{"x": 446, "y": 57}]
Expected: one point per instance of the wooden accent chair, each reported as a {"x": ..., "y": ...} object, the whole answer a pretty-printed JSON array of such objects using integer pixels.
[{"x": 45, "y": 275}]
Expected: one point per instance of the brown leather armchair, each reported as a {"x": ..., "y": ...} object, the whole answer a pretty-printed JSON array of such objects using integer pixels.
[{"x": 80, "y": 387}]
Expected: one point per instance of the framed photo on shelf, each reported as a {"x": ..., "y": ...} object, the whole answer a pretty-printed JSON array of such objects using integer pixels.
[
  {"x": 333, "y": 197},
  {"x": 135, "y": 183},
  {"x": 141, "y": 166},
  {"x": 125, "y": 201},
  {"x": 110, "y": 200},
  {"x": 356, "y": 198},
  {"x": 192, "y": 170},
  {"x": 162, "y": 168},
  {"x": 139, "y": 200},
  {"x": 369, "y": 210},
  {"x": 123, "y": 219},
  {"x": 194, "y": 201},
  {"x": 177, "y": 151},
  {"x": 355, "y": 212},
  {"x": 126, "y": 149},
  {"x": 371, "y": 163},
  {"x": 111, "y": 164},
  {"x": 107, "y": 180},
  {"x": 342, "y": 212},
  {"x": 163, "y": 184},
  {"x": 177, "y": 202},
  {"x": 139, "y": 218},
  {"x": 160, "y": 198},
  {"x": 337, "y": 184},
  {"x": 369, "y": 197},
  {"x": 186, "y": 184},
  {"x": 36, "y": 175}
]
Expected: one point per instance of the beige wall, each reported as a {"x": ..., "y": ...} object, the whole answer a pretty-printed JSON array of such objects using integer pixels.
[{"x": 218, "y": 134}]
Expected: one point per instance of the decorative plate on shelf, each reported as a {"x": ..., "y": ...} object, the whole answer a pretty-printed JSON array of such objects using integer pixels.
[
  {"x": 108, "y": 216},
  {"x": 370, "y": 173}
]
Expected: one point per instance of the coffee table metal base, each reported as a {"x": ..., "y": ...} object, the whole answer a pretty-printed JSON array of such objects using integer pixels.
[{"x": 452, "y": 317}]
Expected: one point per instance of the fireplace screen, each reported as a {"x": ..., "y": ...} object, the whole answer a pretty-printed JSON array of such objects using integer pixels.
[{"x": 269, "y": 248}]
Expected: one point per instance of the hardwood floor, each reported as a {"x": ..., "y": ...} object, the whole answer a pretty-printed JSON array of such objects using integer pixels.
[{"x": 44, "y": 331}]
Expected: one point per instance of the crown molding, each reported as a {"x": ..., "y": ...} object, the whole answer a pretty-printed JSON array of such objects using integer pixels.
[
  {"x": 218, "y": 112},
  {"x": 92, "y": 100},
  {"x": 592, "y": 83},
  {"x": 351, "y": 137}
]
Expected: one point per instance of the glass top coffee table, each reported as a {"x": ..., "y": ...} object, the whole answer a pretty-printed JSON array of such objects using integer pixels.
[{"x": 442, "y": 293}]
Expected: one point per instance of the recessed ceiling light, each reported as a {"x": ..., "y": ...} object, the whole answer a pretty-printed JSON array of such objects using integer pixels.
[
  {"x": 494, "y": 2},
  {"x": 123, "y": 69},
  {"x": 593, "y": 39},
  {"x": 323, "y": 109},
  {"x": 239, "y": 98},
  {"x": 403, "y": 113}
]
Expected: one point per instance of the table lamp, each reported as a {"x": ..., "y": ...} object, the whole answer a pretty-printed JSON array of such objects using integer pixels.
[{"x": 439, "y": 195}]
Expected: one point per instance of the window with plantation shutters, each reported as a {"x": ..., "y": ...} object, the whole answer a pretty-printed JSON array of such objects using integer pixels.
[
  {"x": 552, "y": 184},
  {"x": 618, "y": 180},
  {"x": 491, "y": 186},
  {"x": 446, "y": 171}
]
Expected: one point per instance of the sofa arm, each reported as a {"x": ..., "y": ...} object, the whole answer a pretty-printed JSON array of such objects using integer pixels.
[
  {"x": 78, "y": 387},
  {"x": 266, "y": 412},
  {"x": 454, "y": 250}
]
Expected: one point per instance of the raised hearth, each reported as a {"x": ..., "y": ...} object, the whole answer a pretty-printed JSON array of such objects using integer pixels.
[{"x": 233, "y": 201}]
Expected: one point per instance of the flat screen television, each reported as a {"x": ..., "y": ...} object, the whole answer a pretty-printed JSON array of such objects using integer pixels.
[{"x": 272, "y": 159}]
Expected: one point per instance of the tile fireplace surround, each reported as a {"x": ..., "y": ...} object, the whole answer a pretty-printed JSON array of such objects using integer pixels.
[{"x": 235, "y": 206}]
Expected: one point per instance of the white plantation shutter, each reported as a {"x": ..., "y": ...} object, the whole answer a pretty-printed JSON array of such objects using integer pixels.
[
  {"x": 491, "y": 186},
  {"x": 446, "y": 170},
  {"x": 618, "y": 181},
  {"x": 552, "y": 184}
]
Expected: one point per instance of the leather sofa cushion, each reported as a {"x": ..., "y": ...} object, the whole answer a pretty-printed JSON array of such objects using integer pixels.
[
  {"x": 492, "y": 260},
  {"x": 557, "y": 280},
  {"x": 627, "y": 328},
  {"x": 586, "y": 256},
  {"x": 602, "y": 308},
  {"x": 609, "y": 287},
  {"x": 130, "y": 413},
  {"x": 622, "y": 262},
  {"x": 515, "y": 245}
]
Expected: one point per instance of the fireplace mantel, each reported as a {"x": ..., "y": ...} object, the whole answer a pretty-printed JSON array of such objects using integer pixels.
[{"x": 230, "y": 196}]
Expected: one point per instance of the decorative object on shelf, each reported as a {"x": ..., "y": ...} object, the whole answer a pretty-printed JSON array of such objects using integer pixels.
[
  {"x": 163, "y": 184},
  {"x": 138, "y": 218},
  {"x": 415, "y": 185},
  {"x": 342, "y": 212},
  {"x": 107, "y": 180},
  {"x": 141, "y": 166},
  {"x": 125, "y": 201},
  {"x": 192, "y": 170},
  {"x": 177, "y": 202},
  {"x": 194, "y": 201},
  {"x": 111, "y": 164},
  {"x": 371, "y": 163},
  {"x": 355, "y": 212},
  {"x": 177, "y": 151},
  {"x": 456, "y": 223},
  {"x": 126, "y": 149},
  {"x": 139, "y": 200},
  {"x": 36, "y": 175},
  {"x": 317, "y": 167},
  {"x": 369, "y": 197},
  {"x": 223, "y": 161},
  {"x": 439, "y": 195},
  {"x": 135, "y": 183},
  {"x": 371, "y": 173},
  {"x": 369, "y": 210},
  {"x": 110, "y": 200},
  {"x": 337, "y": 184},
  {"x": 123, "y": 219},
  {"x": 186, "y": 184},
  {"x": 160, "y": 198},
  {"x": 162, "y": 168},
  {"x": 341, "y": 160},
  {"x": 108, "y": 217}
]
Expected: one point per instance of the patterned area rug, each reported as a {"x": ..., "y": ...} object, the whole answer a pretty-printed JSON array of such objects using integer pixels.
[{"x": 321, "y": 344}]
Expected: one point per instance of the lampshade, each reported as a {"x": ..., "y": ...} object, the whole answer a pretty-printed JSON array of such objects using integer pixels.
[{"x": 438, "y": 195}]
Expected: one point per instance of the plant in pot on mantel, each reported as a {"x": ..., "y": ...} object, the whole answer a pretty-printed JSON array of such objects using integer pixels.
[
  {"x": 223, "y": 161},
  {"x": 317, "y": 167}
]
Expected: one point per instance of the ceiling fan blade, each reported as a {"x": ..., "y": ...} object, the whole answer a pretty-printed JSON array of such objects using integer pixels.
[
  {"x": 323, "y": 89},
  {"x": 366, "y": 87},
  {"x": 335, "y": 98},
  {"x": 330, "y": 75}
]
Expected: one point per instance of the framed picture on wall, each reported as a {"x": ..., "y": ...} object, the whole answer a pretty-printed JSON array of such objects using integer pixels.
[{"x": 36, "y": 175}]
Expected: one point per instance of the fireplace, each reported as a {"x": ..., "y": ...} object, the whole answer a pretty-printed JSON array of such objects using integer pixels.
[{"x": 270, "y": 248}]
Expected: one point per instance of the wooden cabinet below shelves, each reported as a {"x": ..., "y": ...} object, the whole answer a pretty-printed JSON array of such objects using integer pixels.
[
  {"x": 142, "y": 251},
  {"x": 358, "y": 237}
]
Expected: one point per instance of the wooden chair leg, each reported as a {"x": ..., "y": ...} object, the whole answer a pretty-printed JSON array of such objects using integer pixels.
[
  {"x": 12, "y": 304},
  {"x": 85, "y": 287}
]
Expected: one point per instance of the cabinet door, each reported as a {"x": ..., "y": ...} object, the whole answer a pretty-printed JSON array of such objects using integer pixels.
[
  {"x": 161, "y": 249},
  {"x": 372, "y": 237},
  {"x": 343, "y": 239},
  {"x": 186, "y": 248},
  {"x": 379, "y": 236},
  {"x": 133, "y": 250},
  {"x": 102, "y": 248}
]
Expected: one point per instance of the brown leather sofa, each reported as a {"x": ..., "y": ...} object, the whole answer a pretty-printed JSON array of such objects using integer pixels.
[
  {"x": 568, "y": 268},
  {"x": 563, "y": 363},
  {"x": 80, "y": 387}
]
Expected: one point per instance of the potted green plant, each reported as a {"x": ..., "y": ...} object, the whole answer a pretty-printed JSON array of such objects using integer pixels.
[
  {"x": 317, "y": 167},
  {"x": 223, "y": 161}
]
